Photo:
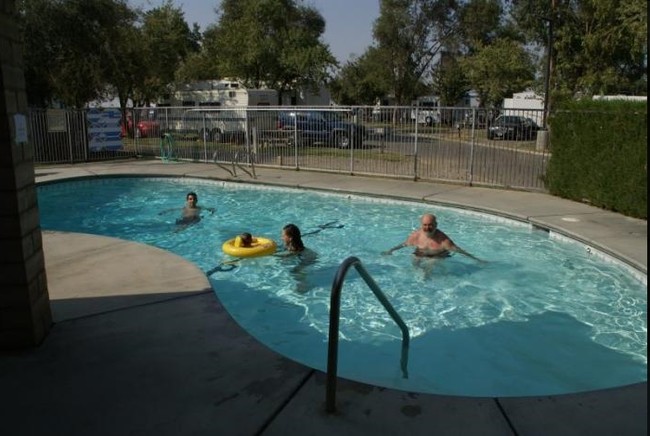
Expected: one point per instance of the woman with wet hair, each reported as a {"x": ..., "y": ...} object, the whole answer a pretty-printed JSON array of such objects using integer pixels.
[
  {"x": 292, "y": 238},
  {"x": 304, "y": 257}
]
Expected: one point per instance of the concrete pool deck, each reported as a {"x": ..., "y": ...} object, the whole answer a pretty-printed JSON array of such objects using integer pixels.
[{"x": 141, "y": 345}]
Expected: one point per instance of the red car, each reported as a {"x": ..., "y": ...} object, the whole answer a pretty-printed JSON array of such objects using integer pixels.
[{"x": 146, "y": 127}]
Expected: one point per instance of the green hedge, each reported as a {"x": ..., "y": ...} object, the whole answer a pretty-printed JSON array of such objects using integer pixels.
[{"x": 599, "y": 154}]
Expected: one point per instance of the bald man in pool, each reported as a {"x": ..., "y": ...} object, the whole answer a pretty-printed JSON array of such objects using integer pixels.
[{"x": 431, "y": 242}]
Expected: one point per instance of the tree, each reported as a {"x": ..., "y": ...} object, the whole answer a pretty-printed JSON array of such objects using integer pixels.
[
  {"x": 70, "y": 47},
  {"x": 125, "y": 65},
  {"x": 272, "y": 43},
  {"x": 410, "y": 34},
  {"x": 39, "y": 48},
  {"x": 497, "y": 70},
  {"x": 198, "y": 65},
  {"x": 450, "y": 83},
  {"x": 166, "y": 41},
  {"x": 360, "y": 81},
  {"x": 480, "y": 23},
  {"x": 599, "y": 46}
]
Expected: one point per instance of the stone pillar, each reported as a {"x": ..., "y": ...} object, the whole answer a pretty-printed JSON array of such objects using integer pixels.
[
  {"x": 25, "y": 316},
  {"x": 541, "y": 143}
]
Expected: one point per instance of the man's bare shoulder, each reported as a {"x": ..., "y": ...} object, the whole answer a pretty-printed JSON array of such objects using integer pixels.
[
  {"x": 441, "y": 238},
  {"x": 414, "y": 236},
  {"x": 440, "y": 235}
]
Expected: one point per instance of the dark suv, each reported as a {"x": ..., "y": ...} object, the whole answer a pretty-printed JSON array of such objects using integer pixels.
[
  {"x": 325, "y": 127},
  {"x": 513, "y": 127}
]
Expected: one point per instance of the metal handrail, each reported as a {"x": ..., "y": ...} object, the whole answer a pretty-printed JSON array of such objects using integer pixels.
[
  {"x": 250, "y": 157},
  {"x": 335, "y": 309}
]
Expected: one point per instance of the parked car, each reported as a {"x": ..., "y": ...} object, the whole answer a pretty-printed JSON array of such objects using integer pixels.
[
  {"x": 146, "y": 126},
  {"x": 323, "y": 127},
  {"x": 513, "y": 127}
]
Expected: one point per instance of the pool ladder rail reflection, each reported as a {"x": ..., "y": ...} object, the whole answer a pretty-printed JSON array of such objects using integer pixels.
[{"x": 335, "y": 312}]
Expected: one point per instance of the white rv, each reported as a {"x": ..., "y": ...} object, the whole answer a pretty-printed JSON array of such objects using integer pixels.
[
  {"x": 214, "y": 109},
  {"x": 426, "y": 110},
  {"x": 526, "y": 104}
]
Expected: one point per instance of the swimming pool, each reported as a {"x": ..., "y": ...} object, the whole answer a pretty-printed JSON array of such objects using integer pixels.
[{"x": 545, "y": 316}]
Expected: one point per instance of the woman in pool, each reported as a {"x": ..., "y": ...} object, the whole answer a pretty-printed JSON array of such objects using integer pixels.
[
  {"x": 292, "y": 239},
  {"x": 294, "y": 247}
]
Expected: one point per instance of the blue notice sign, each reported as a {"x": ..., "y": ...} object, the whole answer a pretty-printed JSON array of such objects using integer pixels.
[{"x": 104, "y": 133}]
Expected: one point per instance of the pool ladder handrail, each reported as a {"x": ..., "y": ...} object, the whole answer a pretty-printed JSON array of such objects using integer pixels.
[
  {"x": 250, "y": 160},
  {"x": 335, "y": 311}
]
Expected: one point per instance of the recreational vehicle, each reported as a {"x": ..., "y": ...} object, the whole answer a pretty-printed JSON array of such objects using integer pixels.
[
  {"x": 526, "y": 104},
  {"x": 218, "y": 109},
  {"x": 426, "y": 110}
]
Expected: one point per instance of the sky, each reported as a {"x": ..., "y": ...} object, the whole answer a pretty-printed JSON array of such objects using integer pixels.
[{"x": 348, "y": 28}]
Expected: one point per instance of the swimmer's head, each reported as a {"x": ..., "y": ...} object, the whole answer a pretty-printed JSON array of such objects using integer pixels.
[{"x": 246, "y": 239}]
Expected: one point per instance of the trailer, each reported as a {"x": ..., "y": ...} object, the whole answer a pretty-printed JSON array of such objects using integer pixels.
[
  {"x": 426, "y": 110},
  {"x": 526, "y": 104},
  {"x": 219, "y": 110}
]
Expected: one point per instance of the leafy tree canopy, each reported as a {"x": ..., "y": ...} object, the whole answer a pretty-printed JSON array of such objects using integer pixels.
[
  {"x": 360, "y": 80},
  {"x": 272, "y": 43},
  {"x": 410, "y": 34},
  {"x": 70, "y": 48},
  {"x": 450, "y": 83},
  {"x": 498, "y": 70},
  {"x": 599, "y": 46},
  {"x": 166, "y": 42}
]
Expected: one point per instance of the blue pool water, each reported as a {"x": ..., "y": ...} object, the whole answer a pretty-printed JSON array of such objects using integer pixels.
[{"x": 546, "y": 315}]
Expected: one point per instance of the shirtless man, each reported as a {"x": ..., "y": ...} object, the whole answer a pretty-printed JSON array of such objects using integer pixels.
[
  {"x": 191, "y": 213},
  {"x": 431, "y": 242}
]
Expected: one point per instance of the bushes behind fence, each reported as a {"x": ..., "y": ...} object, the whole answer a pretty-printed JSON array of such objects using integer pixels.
[{"x": 599, "y": 154}]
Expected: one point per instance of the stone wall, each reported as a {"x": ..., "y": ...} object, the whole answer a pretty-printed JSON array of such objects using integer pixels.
[{"x": 25, "y": 316}]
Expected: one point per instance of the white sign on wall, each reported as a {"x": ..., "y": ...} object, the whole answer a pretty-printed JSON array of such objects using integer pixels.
[{"x": 56, "y": 120}]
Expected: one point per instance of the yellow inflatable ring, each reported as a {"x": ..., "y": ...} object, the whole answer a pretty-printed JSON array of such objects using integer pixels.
[{"x": 259, "y": 247}]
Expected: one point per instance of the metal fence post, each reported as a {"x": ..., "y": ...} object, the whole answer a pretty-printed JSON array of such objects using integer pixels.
[
  {"x": 415, "y": 145},
  {"x": 295, "y": 143},
  {"x": 85, "y": 135},
  {"x": 471, "y": 149},
  {"x": 68, "y": 123}
]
